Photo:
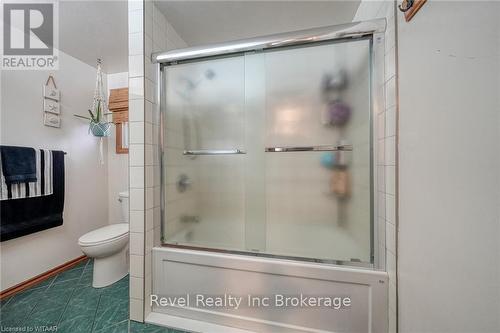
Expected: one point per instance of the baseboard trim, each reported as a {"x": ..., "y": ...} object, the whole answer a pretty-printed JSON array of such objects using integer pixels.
[{"x": 39, "y": 278}]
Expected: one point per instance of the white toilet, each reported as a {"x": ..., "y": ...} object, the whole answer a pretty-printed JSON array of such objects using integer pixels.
[{"x": 108, "y": 247}]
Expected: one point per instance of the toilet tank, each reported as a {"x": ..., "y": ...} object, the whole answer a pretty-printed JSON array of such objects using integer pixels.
[{"x": 123, "y": 199}]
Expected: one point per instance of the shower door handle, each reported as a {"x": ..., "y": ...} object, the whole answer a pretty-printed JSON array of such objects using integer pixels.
[
  {"x": 214, "y": 152},
  {"x": 309, "y": 148}
]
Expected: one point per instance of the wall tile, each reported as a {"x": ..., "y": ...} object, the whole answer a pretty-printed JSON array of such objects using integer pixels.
[
  {"x": 148, "y": 135},
  {"x": 390, "y": 64},
  {"x": 136, "y": 199},
  {"x": 390, "y": 150},
  {"x": 136, "y": 177},
  {"x": 148, "y": 155},
  {"x": 136, "y": 65},
  {"x": 136, "y": 155},
  {"x": 136, "y": 243},
  {"x": 136, "y": 265},
  {"x": 390, "y": 93},
  {"x": 135, "y": 21},
  {"x": 149, "y": 198},
  {"x": 148, "y": 46},
  {"x": 136, "y": 110},
  {"x": 135, "y": 44},
  {"x": 136, "y": 133},
  {"x": 136, "y": 88},
  {"x": 136, "y": 309},
  {"x": 148, "y": 113},
  {"x": 149, "y": 240},
  {"x": 149, "y": 219},
  {"x": 136, "y": 221},
  {"x": 149, "y": 176},
  {"x": 136, "y": 288},
  {"x": 150, "y": 91},
  {"x": 135, "y": 5},
  {"x": 147, "y": 263},
  {"x": 381, "y": 152},
  {"x": 390, "y": 238},
  {"x": 390, "y": 179},
  {"x": 390, "y": 204},
  {"x": 390, "y": 121}
]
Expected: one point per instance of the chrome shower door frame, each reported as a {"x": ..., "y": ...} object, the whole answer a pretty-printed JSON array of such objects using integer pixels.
[{"x": 375, "y": 31}]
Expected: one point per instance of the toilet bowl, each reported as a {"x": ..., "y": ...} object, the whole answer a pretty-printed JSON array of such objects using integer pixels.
[{"x": 108, "y": 247}]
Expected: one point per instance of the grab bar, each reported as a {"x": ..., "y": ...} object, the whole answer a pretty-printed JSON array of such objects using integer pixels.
[
  {"x": 309, "y": 148},
  {"x": 214, "y": 152}
]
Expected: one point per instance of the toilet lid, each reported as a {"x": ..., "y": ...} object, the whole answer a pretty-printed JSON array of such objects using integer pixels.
[{"x": 104, "y": 234}]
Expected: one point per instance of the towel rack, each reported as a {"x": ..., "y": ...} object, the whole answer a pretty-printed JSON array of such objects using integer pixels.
[
  {"x": 214, "y": 152},
  {"x": 308, "y": 148}
]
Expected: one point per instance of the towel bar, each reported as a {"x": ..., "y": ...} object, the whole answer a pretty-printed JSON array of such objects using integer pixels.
[
  {"x": 214, "y": 152},
  {"x": 309, "y": 148}
]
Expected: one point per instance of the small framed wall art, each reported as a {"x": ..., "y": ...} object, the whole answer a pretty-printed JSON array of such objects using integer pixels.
[
  {"x": 52, "y": 120},
  {"x": 51, "y": 107}
]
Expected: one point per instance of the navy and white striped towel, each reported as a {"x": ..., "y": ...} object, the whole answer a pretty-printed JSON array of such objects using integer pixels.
[{"x": 42, "y": 186}]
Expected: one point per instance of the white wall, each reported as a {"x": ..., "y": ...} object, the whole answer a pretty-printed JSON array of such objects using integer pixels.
[
  {"x": 449, "y": 175},
  {"x": 117, "y": 164},
  {"x": 86, "y": 180}
]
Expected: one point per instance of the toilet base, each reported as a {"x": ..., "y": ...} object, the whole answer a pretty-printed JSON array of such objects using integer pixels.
[{"x": 110, "y": 269}]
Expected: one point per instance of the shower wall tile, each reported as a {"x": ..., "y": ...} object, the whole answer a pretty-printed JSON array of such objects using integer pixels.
[
  {"x": 136, "y": 177},
  {"x": 390, "y": 148},
  {"x": 156, "y": 35},
  {"x": 136, "y": 309},
  {"x": 136, "y": 287},
  {"x": 390, "y": 92},
  {"x": 390, "y": 121},
  {"x": 149, "y": 224},
  {"x": 136, "y": 65},
  {"x": 135, "y": 44},
  {"x": 136, "y": 221},
  {"x": 136, "y": 110},
  {"x": 387, "y": 129},
  {"x": 390, "y": 204},
  {"x": 137, "y": 265},
  {"x": 136, "y": 155},
  {"x": 137, "y": 197},
  {"x": 136, "y": 132},
  {"x": 136, "y": 88},
  {"x": 136, "y": 243},
  {"x": 135, "y": 21}
]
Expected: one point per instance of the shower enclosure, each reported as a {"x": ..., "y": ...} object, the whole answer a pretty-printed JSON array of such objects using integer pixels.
[{"x": 268, "y": 150}]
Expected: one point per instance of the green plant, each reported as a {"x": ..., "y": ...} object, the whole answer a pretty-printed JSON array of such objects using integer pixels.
[{"x": 98, "y": 113}]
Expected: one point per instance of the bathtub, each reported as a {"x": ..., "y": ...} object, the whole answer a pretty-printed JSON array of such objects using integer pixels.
[{"x": 195, "y": 275}]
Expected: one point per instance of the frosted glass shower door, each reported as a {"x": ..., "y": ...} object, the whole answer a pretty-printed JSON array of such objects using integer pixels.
[
  {"x": 204, "y": 145},
  {"x": 270, "y": 152},
  {"x": 318, "y": 203}
]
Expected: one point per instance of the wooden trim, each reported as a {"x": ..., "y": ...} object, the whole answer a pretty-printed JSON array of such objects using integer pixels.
[
  {"x": 39, "y": 278},
  {"x": 119, "y": 145},
  {"x": 414, "y": 9}
]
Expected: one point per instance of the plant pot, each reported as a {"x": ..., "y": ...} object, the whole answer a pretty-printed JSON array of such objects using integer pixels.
[{"x": 100, "y": 129}]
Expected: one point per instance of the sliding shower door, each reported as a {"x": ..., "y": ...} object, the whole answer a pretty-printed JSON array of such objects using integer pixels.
[{"x": 270, "y": 152}]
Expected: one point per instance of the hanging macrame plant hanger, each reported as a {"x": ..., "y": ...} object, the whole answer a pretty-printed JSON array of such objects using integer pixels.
[{"x": 99, "y": 126}]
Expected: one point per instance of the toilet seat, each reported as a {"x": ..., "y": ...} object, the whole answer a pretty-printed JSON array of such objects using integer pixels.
[{"x": 105, "y": 234}]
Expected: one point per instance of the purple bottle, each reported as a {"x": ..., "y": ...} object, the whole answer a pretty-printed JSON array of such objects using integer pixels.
[{"x": 338, "y": 113}]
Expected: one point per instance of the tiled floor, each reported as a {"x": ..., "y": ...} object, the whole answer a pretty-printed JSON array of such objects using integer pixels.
[{"x": 69, "y": 302}]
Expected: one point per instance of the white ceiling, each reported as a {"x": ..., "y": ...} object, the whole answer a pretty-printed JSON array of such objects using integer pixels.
[
  {"x": 95, "y": 29},
  {"x": 91, "y": 29},
  {"x": 203, "y": 22}
]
